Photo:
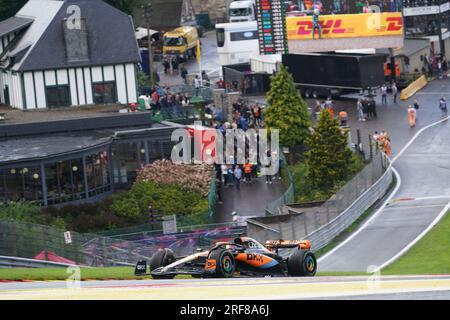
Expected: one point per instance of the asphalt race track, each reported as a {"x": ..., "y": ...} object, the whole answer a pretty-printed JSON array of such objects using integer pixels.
[
  {"x": 423, "y": 194},
  {"x": 407, "y": 287}
]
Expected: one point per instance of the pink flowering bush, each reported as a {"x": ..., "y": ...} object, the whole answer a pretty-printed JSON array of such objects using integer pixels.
[{"x": 192, "y": 178}]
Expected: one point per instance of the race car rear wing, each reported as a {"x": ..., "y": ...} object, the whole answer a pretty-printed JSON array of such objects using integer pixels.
[{"x": 277, "y": 244}]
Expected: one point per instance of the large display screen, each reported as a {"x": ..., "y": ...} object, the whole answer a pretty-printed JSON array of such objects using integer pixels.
[
  {"x": 330, "y": 25},
  {"x": 271, "y": 17}
]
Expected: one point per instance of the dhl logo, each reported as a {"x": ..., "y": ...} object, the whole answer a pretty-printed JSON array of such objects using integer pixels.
[
  {"x": 329, "y": 26},
  {"x": 394, "y": 24},
  {"x": 346, "y": 26},
  {"x": 255, "y": 257}
]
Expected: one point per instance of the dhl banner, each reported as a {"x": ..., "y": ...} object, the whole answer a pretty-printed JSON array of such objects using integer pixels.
[{"x": 346, "y": 26}]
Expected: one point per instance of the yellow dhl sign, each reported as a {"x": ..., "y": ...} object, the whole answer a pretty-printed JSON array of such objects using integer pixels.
[{"x": 346, "y": 26}]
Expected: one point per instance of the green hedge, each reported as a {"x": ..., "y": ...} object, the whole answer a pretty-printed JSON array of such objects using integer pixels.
[{"x": 123, "y": 209}]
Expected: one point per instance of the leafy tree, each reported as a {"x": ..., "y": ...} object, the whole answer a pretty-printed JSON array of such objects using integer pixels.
[
  {"x": 328, "y": 159},
  {"x": 287, "y": 110}
]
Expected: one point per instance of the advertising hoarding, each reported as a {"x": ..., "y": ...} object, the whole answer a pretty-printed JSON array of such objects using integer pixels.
[
  {"x": 346, "y": 26},
  {"x": 330, "y": 25}
]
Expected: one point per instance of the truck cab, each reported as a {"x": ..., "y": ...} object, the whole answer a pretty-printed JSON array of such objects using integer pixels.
[
  {"x": 181, "y": 42},
  {"x": 242, "y": 10}
]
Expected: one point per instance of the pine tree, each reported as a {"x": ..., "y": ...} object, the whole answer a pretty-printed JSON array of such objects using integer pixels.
[
  {"x": 328, "y": 159},
  {"x": 287, "y": 110}
]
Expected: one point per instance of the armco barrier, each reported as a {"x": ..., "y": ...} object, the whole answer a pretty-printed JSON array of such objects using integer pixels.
[
  {"x": 16, "y": 262},
  {"x": 413, "y": 88},
  {"x": 324, "y": 235},
  {"x": 323, "y": 223}
]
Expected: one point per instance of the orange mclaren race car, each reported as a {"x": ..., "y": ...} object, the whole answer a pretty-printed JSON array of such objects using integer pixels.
[{"x": 242, "y": 256}]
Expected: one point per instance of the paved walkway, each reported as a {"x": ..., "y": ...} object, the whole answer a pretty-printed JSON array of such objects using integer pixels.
[{"x": 251, "y": 200}]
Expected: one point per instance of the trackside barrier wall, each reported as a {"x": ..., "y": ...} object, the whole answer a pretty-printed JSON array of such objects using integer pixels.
[
  {"x": 324, "y": 235},
  {"x": 413, "y": 88},
  {"x": 323, "y": 223}
]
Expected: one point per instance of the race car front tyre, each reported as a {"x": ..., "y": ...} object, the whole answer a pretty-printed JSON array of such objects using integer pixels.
[
  {"x": 162, "y": 258},
  {"x": 302, "y": 263},
  {"x": 225, "y": 263}
]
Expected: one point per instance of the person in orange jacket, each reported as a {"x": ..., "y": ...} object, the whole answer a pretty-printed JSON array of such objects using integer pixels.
[
  {"x": 412, "y": 116},
  {"x": 248, "y": 171}
]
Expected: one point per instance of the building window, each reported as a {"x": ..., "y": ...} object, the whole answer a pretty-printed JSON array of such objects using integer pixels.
[
  {"x": 97, "y": 173},
  {"x": 220, "y": 33},
  {"x": 21, "y": 184},
  {"x": 64, "y": 181},
  {"x": 104, "y": 92},
  {"x": 129, "y": 164},
  {"x": 154, "y": 149},
  {"x": 58, "y": 96}
]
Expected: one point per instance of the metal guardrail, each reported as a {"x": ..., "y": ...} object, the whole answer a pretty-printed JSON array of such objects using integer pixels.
[
  {"x": 323, "y": 223},
  {"x": 325, "y": 234},
  {"x": 28, "y": 240},
  {"x": 16, "y": 262}
]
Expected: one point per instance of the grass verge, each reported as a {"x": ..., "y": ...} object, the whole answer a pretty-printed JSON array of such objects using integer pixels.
[
  {"x": 431, "y": 255},
  {"x": 116, "y": 273},
  {"x": 40, "y": 274}
]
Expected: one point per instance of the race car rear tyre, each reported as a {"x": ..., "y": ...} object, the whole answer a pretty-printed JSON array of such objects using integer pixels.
[
  {"x": 225, "y": 263},
  {"x": 162, "y": 258},
  {"x": 302, "y": 263}
]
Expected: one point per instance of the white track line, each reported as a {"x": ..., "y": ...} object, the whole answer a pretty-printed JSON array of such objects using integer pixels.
[
  {"x": 368, "y": 221},
  {"x": 407, "y": 199},
  {"x": 386, "y": 202}
]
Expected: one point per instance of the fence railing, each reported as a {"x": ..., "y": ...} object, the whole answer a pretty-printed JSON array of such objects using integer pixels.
[
  {"x": 33, "y": 241},
  {"x": 326, "y": 233},
  {"x": 322, "y": 223},
  {"x": 205, "y": 93},
  {"x": 15, "y": 262},
  {"x": 38, "y": 242},
  {"x": 288, "y": 196}
]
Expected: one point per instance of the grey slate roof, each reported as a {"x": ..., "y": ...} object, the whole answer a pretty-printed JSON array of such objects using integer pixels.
[
  {"x": 13, "y": 24},
  {"x": 33, "y": 148},
  {"x": 110, "y": 35}
]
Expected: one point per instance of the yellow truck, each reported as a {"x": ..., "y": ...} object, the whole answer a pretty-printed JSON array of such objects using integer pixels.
[{"x": 181, "y": 42}]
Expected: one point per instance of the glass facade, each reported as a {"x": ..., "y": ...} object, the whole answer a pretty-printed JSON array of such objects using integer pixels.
[
  {"x": 21, "y": 183},
  {"x": 65, "y": 181},
  {"x": 128, "y": 157},
  {"x": 86, "y": 175}
]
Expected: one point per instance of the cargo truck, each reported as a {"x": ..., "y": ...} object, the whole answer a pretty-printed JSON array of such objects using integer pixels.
[
  {"x": 335, "y": 74},
  {"x": 181, "y": 42}
]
